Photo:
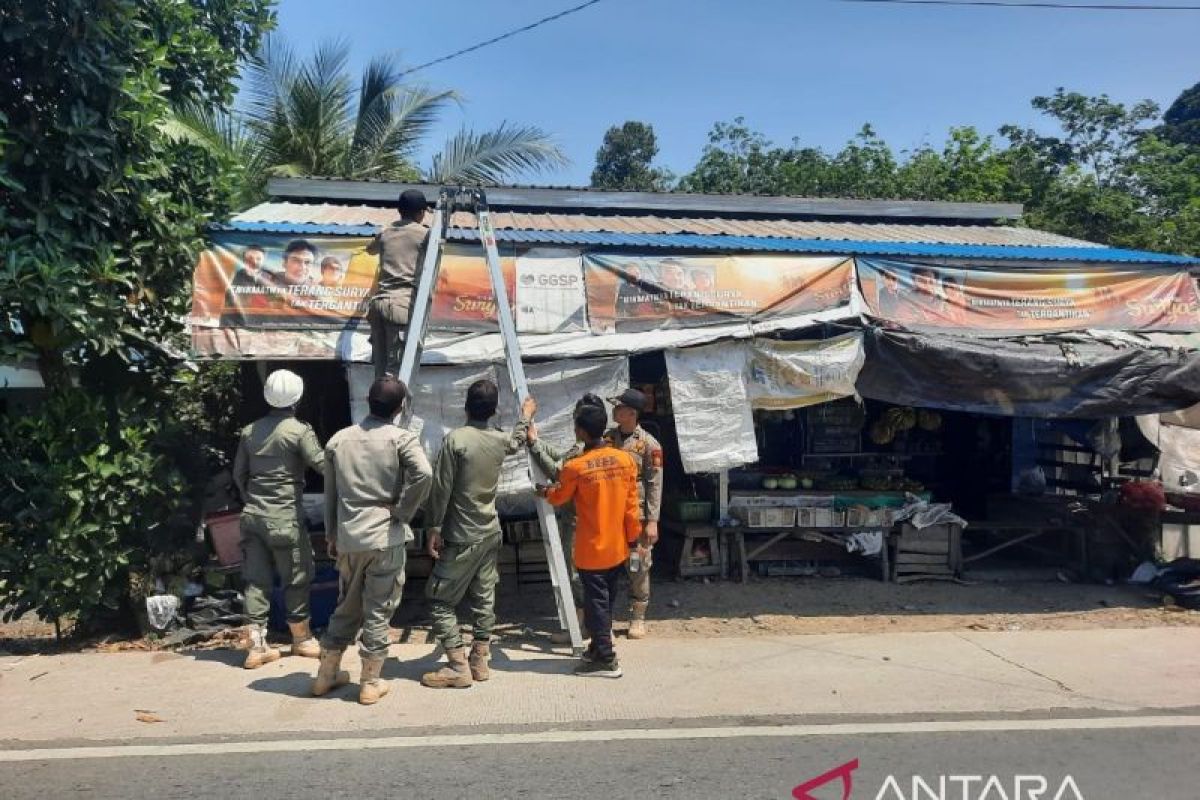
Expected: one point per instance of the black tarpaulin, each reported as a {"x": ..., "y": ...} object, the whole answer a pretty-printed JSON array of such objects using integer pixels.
[{"x": 1074, "y": 377}]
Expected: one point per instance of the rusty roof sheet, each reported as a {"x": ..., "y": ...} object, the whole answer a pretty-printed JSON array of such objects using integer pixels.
[{"x": 331, "y": 214}]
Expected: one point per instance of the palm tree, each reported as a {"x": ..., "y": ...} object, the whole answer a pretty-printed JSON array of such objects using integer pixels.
[{"x": 306, "y": 117}]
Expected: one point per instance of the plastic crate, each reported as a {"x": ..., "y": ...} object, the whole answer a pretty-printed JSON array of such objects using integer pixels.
[
  {"x": 692, "y": 510},
  {"x": 769, "y": 517}
]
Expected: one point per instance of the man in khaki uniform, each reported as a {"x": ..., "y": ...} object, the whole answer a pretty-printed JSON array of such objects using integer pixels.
[
  {"x": 401, "y": 249},
  {"x": 550, "y": 460},
  {"x": 269, "y": 472},
  {"x": 647, "y": 452},
  {"x": 464, "y": 537},
  {"x": 376, "y": 477}
]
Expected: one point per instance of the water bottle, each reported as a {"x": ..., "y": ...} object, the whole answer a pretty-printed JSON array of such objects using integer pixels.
[{"x": 635, "y": 561}]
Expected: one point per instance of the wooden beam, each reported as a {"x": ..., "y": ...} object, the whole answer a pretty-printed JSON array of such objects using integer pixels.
[{"x": 663, "y": 202}]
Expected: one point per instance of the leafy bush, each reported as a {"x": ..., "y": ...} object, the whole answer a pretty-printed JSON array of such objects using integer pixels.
[{"x": 89, "y": 496}]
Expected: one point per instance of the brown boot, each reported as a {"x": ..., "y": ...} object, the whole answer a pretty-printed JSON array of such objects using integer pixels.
[
  {"x": 259, "y": 652},
  {"x": 564, "y": 637},
  {"x": 371, "y": 688},
  {"x": 481, "y": 653},
  {"x": 455, "y": 675},
  {"x": 637, "y": 620},
  {"x": 303, "y": 642},
  {"x": 330, "y": 675}
]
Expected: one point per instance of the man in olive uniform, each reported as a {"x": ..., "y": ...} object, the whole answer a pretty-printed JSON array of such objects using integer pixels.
[
  {"x": 550, "y": 460},
  {"x": 401, "y": 249},
  {"x": 465, "y": 538},
  {"x": 269, "y": 472},
  {"x": 376, "y": 477},
  {"x": 647, "y": 452}
]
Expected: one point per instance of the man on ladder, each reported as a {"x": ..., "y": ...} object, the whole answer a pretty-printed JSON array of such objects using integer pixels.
[
  {"x": 401, "y": 248},
  {"x": 475, "y": 200}
]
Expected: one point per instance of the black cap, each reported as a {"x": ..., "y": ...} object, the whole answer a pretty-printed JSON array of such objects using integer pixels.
[
  {"x": 632, "y": 398},
  {"x": 412, "y": 201},
  {"x": 591, "y": 420}
]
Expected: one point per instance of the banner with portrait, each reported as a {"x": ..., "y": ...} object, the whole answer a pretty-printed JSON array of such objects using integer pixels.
[
  {"x": 643, "y": 292},
  {"x": 1029, "y": 300},
  {"x": 264, "y": 281}
]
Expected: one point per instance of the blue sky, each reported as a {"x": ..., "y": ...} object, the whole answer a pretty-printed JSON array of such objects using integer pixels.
[{"x": 811, "y": 69}]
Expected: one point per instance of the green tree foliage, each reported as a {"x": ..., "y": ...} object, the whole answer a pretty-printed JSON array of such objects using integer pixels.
[
  {"x": 1101, "y": 172},
  {"x": 625, "y": 161},
  {"x": 101, "y": 217},
  {"x": 311, "y": 116},
  {"x": 1181, "y": 122}
]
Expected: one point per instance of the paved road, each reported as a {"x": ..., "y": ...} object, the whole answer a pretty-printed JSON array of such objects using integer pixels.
[{"x": 1109, "y": 758}]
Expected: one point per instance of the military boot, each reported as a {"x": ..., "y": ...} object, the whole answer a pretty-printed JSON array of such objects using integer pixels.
[
  {"x": 481, "y": 653},
  {"x": 303, "y": 642},
  {"x": 637, "y": 620},
  {"x": 455, "y": 675},
  {"x": 371, "y": 687},
  {"x": 330, "y": 675},
  {"x": 259, "y": 652},
  {"x": 564, "y": 637}
]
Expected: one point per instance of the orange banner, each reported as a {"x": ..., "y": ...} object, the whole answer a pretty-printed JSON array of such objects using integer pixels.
[
  {"x": 1032, "y": 300},
  {"x": 630, "y": 293}
]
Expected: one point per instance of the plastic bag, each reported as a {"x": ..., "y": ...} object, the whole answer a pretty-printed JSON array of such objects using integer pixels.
[{"x": 1031, "y": 481}]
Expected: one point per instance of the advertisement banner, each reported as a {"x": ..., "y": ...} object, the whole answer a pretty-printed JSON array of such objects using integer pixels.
[
  {"x": 634, "y": 292},
  {"x": 1032, "y": 300},
  {"x": 785, "y": 375},
  {"x": 251, "y": 280},
  {"x": 550, "y": 296}
]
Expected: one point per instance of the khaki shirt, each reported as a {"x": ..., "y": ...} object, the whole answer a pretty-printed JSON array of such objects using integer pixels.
[
  {"x": 270, "y": 462},
  {"x": 401, "y": 249},
  {"x": 648, "y": 455},
  {"x": 376, "y": 477},
  {"x": 462, "y": 502}
]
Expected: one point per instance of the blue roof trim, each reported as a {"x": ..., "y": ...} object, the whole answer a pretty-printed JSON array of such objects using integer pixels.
[
  {"x": 691, "y": 241},
  {"x": 694, "y": 241},
  {"x": 311, "y": 228}
]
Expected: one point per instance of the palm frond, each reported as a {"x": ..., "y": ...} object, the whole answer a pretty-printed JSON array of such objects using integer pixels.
[
  {"x": 392, "y": 120},
  {"x": 495, "y": 156}
]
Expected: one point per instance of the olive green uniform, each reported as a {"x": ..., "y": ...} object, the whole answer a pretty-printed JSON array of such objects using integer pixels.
[
  {"x": 462, "y": 505},
  {"x": 269, "y": 472},
  {"x": 647, "y": 454},
  {"x": 550, "y": 460},
  {"x": 376, "y": 477},
  {"x": 401, "y": 249}
]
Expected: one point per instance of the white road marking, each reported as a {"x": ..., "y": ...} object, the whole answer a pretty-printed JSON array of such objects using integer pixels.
[{"x": 620, "y": 734}]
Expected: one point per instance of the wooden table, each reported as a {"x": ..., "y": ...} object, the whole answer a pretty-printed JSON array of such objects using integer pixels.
[
  {"x": 1022, "y": 532},
  {"x": 737, "y": 537}
]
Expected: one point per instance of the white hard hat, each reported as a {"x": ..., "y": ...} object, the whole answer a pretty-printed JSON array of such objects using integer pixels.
[{"x": 283, "y": 389}]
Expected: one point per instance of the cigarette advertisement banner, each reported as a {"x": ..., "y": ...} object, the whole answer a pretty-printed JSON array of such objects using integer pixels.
[
  {"x": 632, "y": 293},
  {"x": 263, "y": 281},
  {"x": 1035, "y": 300}
]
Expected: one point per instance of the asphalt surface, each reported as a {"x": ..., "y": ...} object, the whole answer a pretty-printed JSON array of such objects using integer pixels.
[{"x": 1104, "y": 764}]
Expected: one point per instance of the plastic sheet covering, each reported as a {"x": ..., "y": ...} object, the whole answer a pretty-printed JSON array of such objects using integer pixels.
[
  {"x": 785, "y": 375},
  {"x": 1076, "y": 376},
  {"x": 712, "y": 407},
  {"x": 1179, "y": 448},
  {"x": 439, "y": 394}
]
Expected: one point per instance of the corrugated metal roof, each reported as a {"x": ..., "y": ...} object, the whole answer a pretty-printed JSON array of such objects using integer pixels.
[
  {"x": 330, "y": 214},
  {"x": 760, "y": 244},
  {"x": 724, "y": 243}
]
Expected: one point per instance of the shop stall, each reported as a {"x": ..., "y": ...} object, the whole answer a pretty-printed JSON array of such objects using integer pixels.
[{"x": 820, "y": 402}]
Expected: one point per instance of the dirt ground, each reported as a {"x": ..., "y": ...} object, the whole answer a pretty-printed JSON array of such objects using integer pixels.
[{"x": 771, "y": 606}]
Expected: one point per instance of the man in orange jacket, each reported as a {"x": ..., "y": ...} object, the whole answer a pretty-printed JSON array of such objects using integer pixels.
[{"x": 603, "y": 482}]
